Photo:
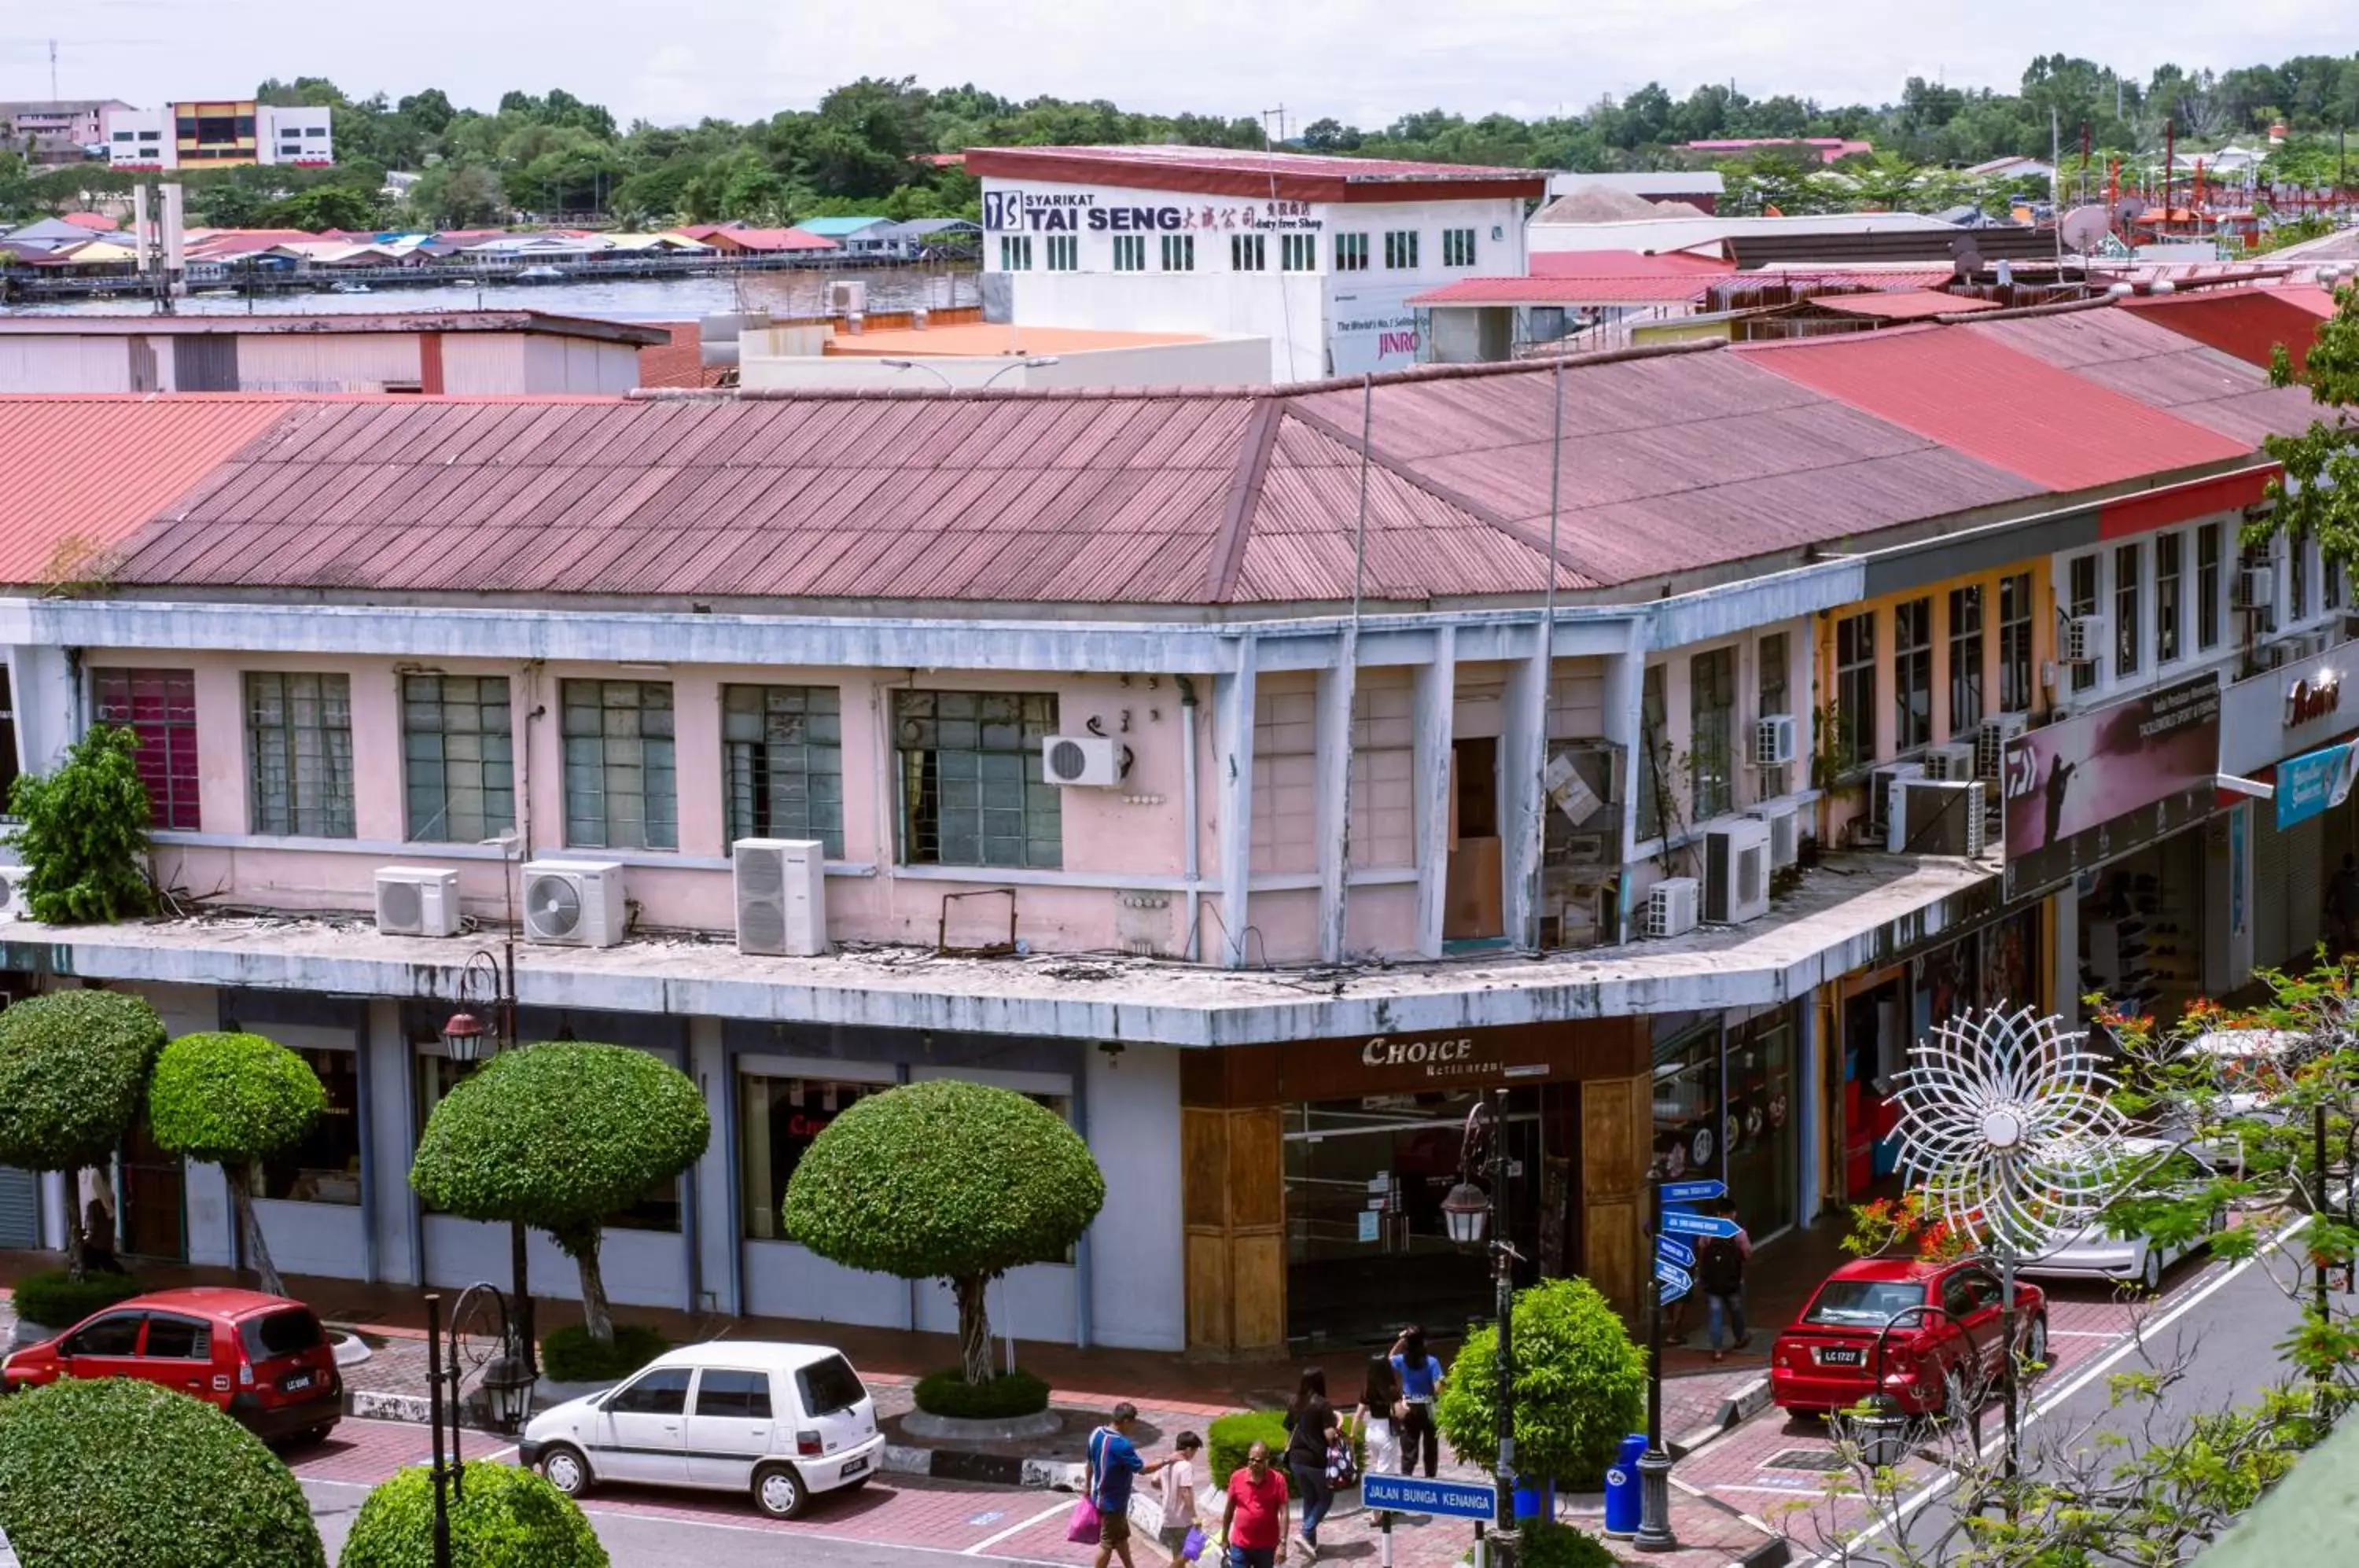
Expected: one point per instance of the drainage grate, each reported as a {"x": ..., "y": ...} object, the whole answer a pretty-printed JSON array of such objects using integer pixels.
[{"x": 1803, "y": 1459}]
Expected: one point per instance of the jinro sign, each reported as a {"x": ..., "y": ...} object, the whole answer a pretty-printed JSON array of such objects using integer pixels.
[{"x": 2102, "y": 783}]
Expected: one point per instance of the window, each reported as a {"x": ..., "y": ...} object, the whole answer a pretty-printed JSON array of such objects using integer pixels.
[
  {"x": 1248, "y": 253},
  {"x": 115, "y": 1335},
  {"x": 2330, "y": 583},
  {"x": 1855, "y": 688},
  {"x": 278, "y": 1333},
  {"x": 1712, "y": 722},
  {"x": 1653, "y": 722},
  {"x": 829, "y": 1386},
  {"x": 298, "y": 751},
  {"x": 1351, "y": 252},
  {"x": 1064, "y": 253},
  {"x": 620, "y": 781},
  {"x": 8, "y": 764},
  {"x": 1775, "y": 698},
  {"x": 2169, "y": 552},
  {"x": 2081, "y": 600},
  {"x": 2014, "y": 644},
  {"x": 1298, "y": 253},
  {"x": 2128, "y": 572},
  {"x": 2207, "y": 587},
  {"x": 780, "y": 1117},
  {"x": 123, "y": 135},
  {"x": 1965, "y": 660},
  {"x": 1457, "y": 247},
  {"x": 1400, "y": 250},
  {"x": 458, "y": 758},
  {"x": 2297, "y": 576},
  {"x": 1016, "y": 253},
  {"x": 782, "y": 748},
  {"x": 662, "y": 1393},
  {"x": 324, "y": 1166},
  {"x": 1130, "y": 253},
  {"x": 971, "y": 788},
  {"x": 734, "y": 1396},
  {"x": 1178, "y": 252},
  {"x": 180, "y": 1339},
  {"x": 1912, "y": 674}
]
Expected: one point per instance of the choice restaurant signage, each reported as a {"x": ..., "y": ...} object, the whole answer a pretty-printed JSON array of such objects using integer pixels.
[{"x": 1453, "y": 1058}]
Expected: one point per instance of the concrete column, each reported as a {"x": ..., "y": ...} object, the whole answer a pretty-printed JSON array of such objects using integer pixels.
[
  {"x": 1336, "y": 686},
  {"x": 211, "y": 1228},
  {"x": 1521, "y": 744},
  {"x": 2064, "y": 954},
  {"x": 49, "y": 707},
  {"x": 1809, "y": 1072},
  {"x": 1233, "y": 749},
  {"x": 1624, "y": 696},
  {"x": 393, "y": 1092},
  {"x": 715, "y": 1239},
  {"x": 1434, "y": 711},
  {"x": 53, "y": 1210}
]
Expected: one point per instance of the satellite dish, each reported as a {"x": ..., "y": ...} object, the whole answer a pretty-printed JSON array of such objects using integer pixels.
[
  {"x": 1966, "y": 255},
  {"x": 2129, "y": 210},
  {"x": 2085, "y": 228}
]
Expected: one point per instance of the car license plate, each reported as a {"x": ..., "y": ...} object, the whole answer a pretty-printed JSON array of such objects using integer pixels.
[
  {"x": 854, "y": 1468},
  {"x": 295, "y": 1384},
  {"x": 1838, "y": 1357}
]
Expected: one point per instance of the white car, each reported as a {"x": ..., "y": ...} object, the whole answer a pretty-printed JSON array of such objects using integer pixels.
[
  {"x": 781, "y": 1422},
  {"x": 2092, "y": 1252}
]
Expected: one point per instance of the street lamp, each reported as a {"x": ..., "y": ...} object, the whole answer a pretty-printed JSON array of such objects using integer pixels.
[
  {"x": 1039, "y": 364},
  {"x": 504, "y": 1373},
  {"x": 487, "y": 985},
  {"x": 1465, "y": 1212}
]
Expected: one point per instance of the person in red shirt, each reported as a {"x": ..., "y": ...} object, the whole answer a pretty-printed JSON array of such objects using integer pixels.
[{"x": 1253, "y": 1522}]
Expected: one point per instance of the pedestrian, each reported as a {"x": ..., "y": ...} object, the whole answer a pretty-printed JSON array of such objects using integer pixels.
[
  {"x": 1377, "y": 1420},
  {"x": 1113, "y": 1464},
  {"x": 1719, "y": 1274},
  {"x": 1253, "y": 1521},
  {"x": 1176, "y": 1488},
  {"x": 1419, "y": 1372},
  {"x": 1312, "y": 1428},
  {"x": 2342, "y": 905}
]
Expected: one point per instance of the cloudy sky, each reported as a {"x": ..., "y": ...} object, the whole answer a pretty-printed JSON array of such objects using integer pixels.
[{"x": 1364, "y": 61}]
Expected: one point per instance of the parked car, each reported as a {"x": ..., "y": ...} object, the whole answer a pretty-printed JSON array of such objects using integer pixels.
[
  {"x": 780, "y": 1422},
  {"x": 2092, "y": 1252},
  {"x": 1940, "y": 1325},
  {"x": 265, "y": 1359}
]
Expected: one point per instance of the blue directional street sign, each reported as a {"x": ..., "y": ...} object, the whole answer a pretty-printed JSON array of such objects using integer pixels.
[
  {"x": 1677, "y": 1282},
  {"x": 1694, "y": 1192},
  {"x": 1671, "y": 1251},
  {"x": 1412, "y": 1495},
  {"x": 1683, "y": 1223}
]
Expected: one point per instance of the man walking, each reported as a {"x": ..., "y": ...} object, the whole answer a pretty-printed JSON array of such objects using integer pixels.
[
  {"x": 1253, "y": 1521},
  {"x": 1719, "y": 1274},
  {"x": 1113, "y": 1464}
]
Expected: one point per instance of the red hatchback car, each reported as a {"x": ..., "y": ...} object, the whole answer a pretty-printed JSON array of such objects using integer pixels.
[
  {"x": 263, "y": 1359},
  {"x": 1941, "y": 1327}
]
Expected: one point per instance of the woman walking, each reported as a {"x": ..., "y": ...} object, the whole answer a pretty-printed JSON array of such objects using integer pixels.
[
  {"x": 1378, "y": 1417},
  {"x": 1312, "y": 1427},
  {"x": 1419, "y": 1372}
]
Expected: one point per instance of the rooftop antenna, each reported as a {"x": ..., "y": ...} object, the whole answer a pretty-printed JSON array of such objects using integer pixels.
[
  {"x": 53, "y": 70},
  {"x": 1279, "y": 113}
]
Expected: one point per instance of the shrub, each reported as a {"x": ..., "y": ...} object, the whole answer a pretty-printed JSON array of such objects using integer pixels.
[
  {"x": 73, "y": 1067},
  {"x": 948, "y": 1393},
  {"x": 1580, "y": 1384},
  {"x": 59, "y": 1300},
  {"x": 1229, "y": 1438},
  {"x": 946, "y": 1179},
  {"x": 83, "y": 831},
  {"x": 1551, "y": 1545},
  {"x": 559, "y": 1136},
  {"x": 233, "y": 1100},
  {"x": 503, "y": 1516},
  {"x": 132, "y": 1476},
  {"x": 571, "y": 1355}
]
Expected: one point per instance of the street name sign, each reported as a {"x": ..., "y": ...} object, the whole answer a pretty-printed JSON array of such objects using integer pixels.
[
  {"x": 1694, "y": 1192},
  {"x": 1413, "y": 1495},
  {"x": 1683, "y": 1223}
]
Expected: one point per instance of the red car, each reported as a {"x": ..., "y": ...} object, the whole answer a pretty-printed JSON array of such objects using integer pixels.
[
  {"x": 263, "y": 1359},
  {"x": 1942, "y": 1341}
]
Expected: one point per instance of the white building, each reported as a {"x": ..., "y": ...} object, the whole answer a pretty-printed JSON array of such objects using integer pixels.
[
  {"x": 219, "y": 134},
  {"x": 1318, "y": 254}
]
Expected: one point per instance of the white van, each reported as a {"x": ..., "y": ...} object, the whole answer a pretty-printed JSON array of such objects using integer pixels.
[{"x": 780, "y": 1421}]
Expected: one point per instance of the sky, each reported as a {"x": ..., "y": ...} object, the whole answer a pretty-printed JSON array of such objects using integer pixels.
[{"x": 1362, "y": 61}]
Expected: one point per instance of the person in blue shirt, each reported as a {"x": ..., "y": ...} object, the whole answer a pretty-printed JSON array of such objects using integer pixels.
[
  {"x": 1115, "y": 1464},
  {"x": 1420, "y": 1373}
]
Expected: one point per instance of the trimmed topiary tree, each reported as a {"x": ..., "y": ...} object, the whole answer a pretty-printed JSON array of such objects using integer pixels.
[
  {"x": 83, "y": 831},
  {"x": 946, "y": 1179},
  {"x": 131, "y": 1475},
  {"x": 559, "y": 1137},
  {"x": 1580, "y": 1385},
  {"x": 234, "y": 1100},
  {"x": 503, "y": 1516},
  {"x": 73, "y": 1068}
]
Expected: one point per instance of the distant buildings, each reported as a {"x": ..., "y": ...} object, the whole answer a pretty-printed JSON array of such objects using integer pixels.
[
  {"x": 219, "y": 134},
  {"x": 1830, "y": 149},
  {"x": 57, "y": 131}
]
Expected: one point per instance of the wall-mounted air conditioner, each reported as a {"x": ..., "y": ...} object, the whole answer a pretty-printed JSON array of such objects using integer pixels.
[
  {"x": 1076, "y": 761},
  {"x": 1736, "y": 872},
  {"x": 574, "y": 903},
  {"x": 847, "y": 296},
  {"x": 417, "y": 900},
  {"x": 1672, "y": 906},
  {"x": 1773, "y": 740},
  {"x": 781, "y": 896},
  {"x": 1881, "y": 783},
  {"x": 1932, "y": 816},
  {"x": 1953, "y": 760},
  {"x": 2085, "y": 639},
  {"x": 1990, "y": 742},
  {"x": 1784, "y": 823},
  {"x": 2256, "y": 587}
]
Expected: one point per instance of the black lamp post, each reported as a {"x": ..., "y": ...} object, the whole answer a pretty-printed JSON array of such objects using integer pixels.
[
  {"x": 468, "y": 1040},
  {"x": 1655, "y": 1532},
  {"x": 504, "y": 1374},
  {"x": 1465, "y": 1210}
]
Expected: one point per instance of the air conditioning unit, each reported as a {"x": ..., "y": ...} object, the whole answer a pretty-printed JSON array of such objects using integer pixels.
[
  {"x": 1936, "y": 816},
  {"x": 1785, "y": 825},
  {"x": 1672, "y": 906},
  {"x": 847, "y": 296},
  {"x": 1736, "y": 872},
  {"x": 1080, "y": 760},
  {"x": 1881, "y": 783},
  {"x": 2085, "y": 639},
  {"x": 2256, "y": 587},
  {"x": 781, "y": 896},
  {"x": 12, "y": 886},
  {"x": 574, "y": 903},
  {"x": 417, "y": 900},
  {"x": 1773, "y": 740},
  {"x": 1989, "y": 743},
  {"x": 1953, "y": 761}
]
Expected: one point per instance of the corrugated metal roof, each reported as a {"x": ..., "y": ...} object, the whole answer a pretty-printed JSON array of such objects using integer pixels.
[
  {"x": 538, "y": 322},
  {"x": 2246, "y": 322},
  {"x": 1590, "y": 289},
  {"x": 1979, "y": 396},
  {"x": 1902, "y": 305},
  {"x": 1627, "y": 264},
  {"x": 2127, "y": 352},
  {"x": 1290, "y": 175}
]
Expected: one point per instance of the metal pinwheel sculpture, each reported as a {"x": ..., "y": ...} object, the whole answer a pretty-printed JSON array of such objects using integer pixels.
[{"x": 2007, "y": 1126}]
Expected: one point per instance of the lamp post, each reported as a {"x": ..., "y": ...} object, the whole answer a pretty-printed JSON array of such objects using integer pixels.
[
  {"x": 467, "y": 1040},
  {"x": 1039, "y": 363},
  {"x": 504, "y": 1374},
  {"x": 1465, "y": 1210},
  {"x": 1655, "y": 1466}
]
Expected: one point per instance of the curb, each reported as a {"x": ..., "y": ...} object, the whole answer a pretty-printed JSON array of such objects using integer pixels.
[{"x": 1742, "y": 1403}]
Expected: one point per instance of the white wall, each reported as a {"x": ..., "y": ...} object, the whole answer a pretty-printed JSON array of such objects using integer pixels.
[
  {"x": 1138, "y": 1280},
  {"x": 1285, "y": 309},
  {"x": 75, "y": 363},
  {"x": 1219, "y": 361},
  {"x": 325, "y": 362}
]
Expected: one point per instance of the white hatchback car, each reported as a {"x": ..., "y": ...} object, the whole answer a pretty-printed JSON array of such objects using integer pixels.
[{"x": 780, "y": 1421}]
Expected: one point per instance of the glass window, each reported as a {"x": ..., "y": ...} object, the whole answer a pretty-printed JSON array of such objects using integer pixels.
[
  {"x": 1400, "y": 250},
  {"x": 1712, "y": 721},
  {"x": 1855, "y": 688},
  {"x": 115, "y": 1334},
  {"x": 2169, "y": 548},
  {"x": 2128, "y": 577},
  {"x": 8, "y": 763},
  {"x": 1130, "y": 253},
  {"x": 1457, "y": 247},
  {"x": 2297, "y": 576},
  {"x": 2081, "y": 600},
  {"x": 458, "y": 758},
  {"x": 1775, "y": 698},
  {"x": 1351, "y": 252},
  {"x": 281, "y": 1333},
  {"x": 2014, "y": 644},
  {"x": 2207, "y": 587},
  {"x": 1912, "y": 674},
  {"x": 1299, "y": 253},
  {"x": 1760, "y": 1128},
  {"x": 1863, "y": 1303},
  {"x": 662, "y": 1393},
  {"x": 325, "y": 1166},
  {"x": 1248, "y": 253},
  {"x": 1064, "y": 253},
  {"x": 180, "y": 1339},
  {"x": 1654, "y": 722},
  {"x": 971, "y": 788},
  {"x": 299, "y": 736},
  {"x": 734, "y": 1396},
  {"x": 782, "y": 748},
  {"x": 1965, "y": 660},
  {"x": 1688, "y": 1125},
  {"x": 1016, "y": 253},
  {"x": 620, "y": 780},
  {"x": 2330, "y": 583},
  {"x": 1178, "y": 252},
  {"x": 829, "y": 1386},
  {"x": 780, "y": 1117}
]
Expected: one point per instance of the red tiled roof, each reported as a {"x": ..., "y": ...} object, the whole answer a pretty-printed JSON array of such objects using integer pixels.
[
  {"x": 1233, "y": 172},
  {"x": 2009, "y": 409},
  {"x": 1589, "y": 290},
  {"x": 1627, "y": 264},
  {"x": 1903, "y": 304},
  {"x": 2246, "y": 322}
]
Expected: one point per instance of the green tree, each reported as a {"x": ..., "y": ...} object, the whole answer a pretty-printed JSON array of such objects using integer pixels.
[
  {"x": 502, "y": 1515},
  {"x": 1580, "y": 1384},
  {"x": 558, "y": 1137},
  {"x": 82, "y": 830},
  {"x": 324, "y": 207},
  {"x": 73, "y": 1068},
  {"x": 2319, "y": 490},
  {"x": 234, "y": 1100},
  {"x": 946, "y": 1179},
  {"x": 114, "y": 1473}
]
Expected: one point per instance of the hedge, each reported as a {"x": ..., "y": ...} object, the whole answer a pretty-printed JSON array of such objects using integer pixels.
[
  {"x": 1551, "y": 1545},
  {"x": 1580, "y": 1384},
  {"x": 1228, "y": 1439},
  {"x": 83, "y": 832},
  {"x": 226, "y": 1099},
  {"x": 74, "y": 1066},
  {"x": 59, "y": 1300},
  {"x": 570, "y": 1355},
  {"x": 503, "y": 1516},
  {"x": 948, "y": 1393},
  {"x": 130, "y": 1474}
]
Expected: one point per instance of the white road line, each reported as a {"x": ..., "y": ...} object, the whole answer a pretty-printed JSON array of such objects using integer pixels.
[
  {"x": 2086, "y": 1333},
  {"x": 1051, "y": 1511}
]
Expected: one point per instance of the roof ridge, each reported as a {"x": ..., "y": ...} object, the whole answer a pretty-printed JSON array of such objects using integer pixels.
[{"x": 1244, "y": 494}]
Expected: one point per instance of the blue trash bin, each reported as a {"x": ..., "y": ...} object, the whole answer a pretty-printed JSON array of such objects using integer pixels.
[
  {"x": 1622, "y": 1494},
  {"x": 1534, "y": 1498}
]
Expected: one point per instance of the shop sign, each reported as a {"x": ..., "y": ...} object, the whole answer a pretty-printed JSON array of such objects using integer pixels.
[
  {"x": 2102, "y": 783},
  {"x": 2317, "y": 697},
  {"x": 2313, "y": 784},
  {"x": 1373, "y": 1066},
  {"x": 2289, "y": 711},
  {"x": 1072, "y": 211},
  {"x": 1374, "y": 329},
  {"x": 1446, "y": 1058}
]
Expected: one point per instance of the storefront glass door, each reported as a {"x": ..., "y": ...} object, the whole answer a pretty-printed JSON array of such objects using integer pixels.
[{"x": 155, "y": 1204}]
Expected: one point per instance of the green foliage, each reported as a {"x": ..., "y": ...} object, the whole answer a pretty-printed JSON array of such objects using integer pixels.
[
  {"x": 570, "y": 1355},
  {"x": 73, "y": 1067},
  {"x": 130, "y": 1474},
  {"x": 1580, "y": 1384},
  {"x": 2318, "y": 494},
  {"x": 1230, "y": 1438},
  {"x": 503, "y": 1516},
  {"x": 1551, "y": 1545},
  {"x": 59, "y": 1300},
  {"x": 948, "y": 1393},
  {"x": 227, "y": 1099},
  {"x": 84, "y": 831}
]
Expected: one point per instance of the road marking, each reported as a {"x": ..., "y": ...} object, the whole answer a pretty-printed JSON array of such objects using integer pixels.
[
  {"x": 2086, "y": 1333},
  {"x": 1051, "y": 1511}
]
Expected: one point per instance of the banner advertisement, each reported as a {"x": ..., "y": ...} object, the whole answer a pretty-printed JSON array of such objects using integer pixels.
[{"x": 2100, "y": 784}]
